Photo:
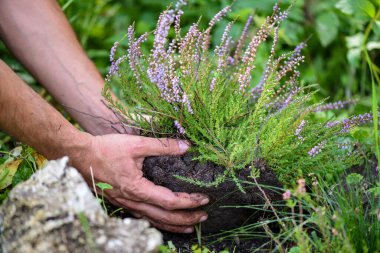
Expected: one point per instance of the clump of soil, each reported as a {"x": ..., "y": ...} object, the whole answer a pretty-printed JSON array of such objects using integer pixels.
[{"x": 223, "y": 210}]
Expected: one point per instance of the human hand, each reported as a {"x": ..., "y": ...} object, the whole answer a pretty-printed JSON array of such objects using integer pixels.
[{"x": 118, "y": 160}]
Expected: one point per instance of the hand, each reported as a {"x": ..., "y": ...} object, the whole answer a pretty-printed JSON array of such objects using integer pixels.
[{"x": 118, "y": 160}]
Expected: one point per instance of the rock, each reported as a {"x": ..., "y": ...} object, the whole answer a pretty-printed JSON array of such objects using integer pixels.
[{"x": 55, "y": 211}]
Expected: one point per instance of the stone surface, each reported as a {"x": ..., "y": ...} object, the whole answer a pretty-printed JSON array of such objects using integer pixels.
[{"x": 55, "y": 211}]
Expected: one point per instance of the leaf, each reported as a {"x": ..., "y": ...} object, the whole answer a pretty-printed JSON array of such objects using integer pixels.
[
  {"x": 172, "y": 246},
  {"x": 355, "y": 41},
  {"x": 16, "y": 152},
  {"x": 40, "y": 160},
  {"x": 354, "y": 178},
  {"x": 375, "y": 190},
  {"x": 373, "y": 45},
  {"x": 354, "y": 56},
  {"x": 368, "y": 8},
  {"x": 327, "y": 27},
  {"x": 7, "y": 172},
  {"x": 24, "y": 172},
  {"x": 104, "y": 186},
  {"x": 345, "y": 7},
  {"x": 354, "y": 45},
  {"x": 364, "y": 6},
  {"x": 295, "y": 249}
]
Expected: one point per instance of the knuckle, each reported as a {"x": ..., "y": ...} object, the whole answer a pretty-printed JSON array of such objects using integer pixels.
[
  {"x": 191, "y": 219},
  {"x": 141, "y": 195},
  {"x": 129, "y": 189},
  {"x": 169, "y": 204},
  {"x": 165, "y": 144},
  {"x": 137, "y": 147}
]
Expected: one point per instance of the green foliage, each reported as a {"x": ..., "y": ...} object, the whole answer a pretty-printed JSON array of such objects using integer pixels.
[
  {"x": 17, "y": 166},
  {"x": 346, "y": 220},
  {"x": 331, "y": 218},
  {"x": 194, "y": 93},
  {"x": 104, "y": 186},
  {"x": 24, "y": 172},
  {"x": 171, "y": 248},
  {"x": 354, "y": 178}
]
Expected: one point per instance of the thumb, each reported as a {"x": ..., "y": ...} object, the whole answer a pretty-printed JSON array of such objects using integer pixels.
[{"x": 161, "y": 147}]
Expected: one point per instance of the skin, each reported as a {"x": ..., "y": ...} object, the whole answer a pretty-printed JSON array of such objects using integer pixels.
[{"x": 39, "y": 35}]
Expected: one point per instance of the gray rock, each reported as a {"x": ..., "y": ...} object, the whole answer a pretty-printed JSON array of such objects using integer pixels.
[{"x": 55, "y": 211}]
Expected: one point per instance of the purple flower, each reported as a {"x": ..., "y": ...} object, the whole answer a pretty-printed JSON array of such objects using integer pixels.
[
  {"x": 113, "y": 51},
  {"x": 114, "y": 69},
  {"x": 299, "y": 130},
  {"x": 347, "y": 124},
  {"x": 189, "y": 50},
  {"x": 180, "y": 129},
  {"x": 179, "y": 4},
  {"x": 289, "y": 99},
  {"x": 317, "y": 149},
  {"x": 206, "y": 34},
  {"x": 242, "y": 39},
  {"x": 222, "y": 53},
  {"x": 186, "y": 101},
  {"x": 213, "y": 83},
  {"x": 292, "y": 62},
  {"x": 221, "y": 14},
  {"x": 335, "y": 105},
  {"x": 134, "y": 53}
]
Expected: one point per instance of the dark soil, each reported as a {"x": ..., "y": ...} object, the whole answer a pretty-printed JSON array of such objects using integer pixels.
[{"x": 222, "y": 210}]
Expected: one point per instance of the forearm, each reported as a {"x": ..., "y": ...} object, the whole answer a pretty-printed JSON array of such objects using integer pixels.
[
  {"x": 30, "y": 119},
  {"x": 39, "y": 35}
]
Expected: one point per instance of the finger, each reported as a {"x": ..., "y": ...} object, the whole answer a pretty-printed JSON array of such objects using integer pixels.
[
  {"x": 157, "y": 195},
  {"x": 131, "y": 205},
  {"x": 160, "y": 147},
  {"x": 135, "y": 214},
  {"x": 171, "y": 228},
  {"x": 162, "y": 216}
]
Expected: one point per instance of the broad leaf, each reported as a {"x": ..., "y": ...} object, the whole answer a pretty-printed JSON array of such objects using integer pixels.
[
  {"x": 104, "y": 186},
  {"x": 327, "y": 27},
  {"x": 7, "y": 172}
]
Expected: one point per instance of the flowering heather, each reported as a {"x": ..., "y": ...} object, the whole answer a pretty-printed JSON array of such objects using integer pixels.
[
  {"x": 335, "y": 105},
  {"x": 317, "y": 149},
  {"x": 221, "y": 14},
  {"x": 180, "y": 129},
  {"x": 186, "y": 87},
  {"x": 347, "y": 124},
  {"x": 242, "y": 39},
  {"x": 299, "y": 130}
]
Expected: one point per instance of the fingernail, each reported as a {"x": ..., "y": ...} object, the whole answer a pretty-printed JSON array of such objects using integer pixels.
[
  {"x": 183, "y": 146},
  {"x": 189, "y": 230},
  {"x": 205, "y": 201},
  {"x": 203, "y": 218}
]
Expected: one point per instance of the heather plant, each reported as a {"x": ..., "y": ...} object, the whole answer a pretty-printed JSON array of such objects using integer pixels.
[{"x": 183, "y": 88}]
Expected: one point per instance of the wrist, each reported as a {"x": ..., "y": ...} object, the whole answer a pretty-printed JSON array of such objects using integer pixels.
[
  {"x": 78, "y": 149},
  {"x": 66, "y": 141}
]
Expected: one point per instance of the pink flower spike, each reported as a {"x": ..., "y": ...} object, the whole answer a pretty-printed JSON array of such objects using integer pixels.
[{"x": 286, "y": 195}]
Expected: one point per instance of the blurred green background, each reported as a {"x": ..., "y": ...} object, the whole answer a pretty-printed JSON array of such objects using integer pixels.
[{"x": 337, "y": 31}]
